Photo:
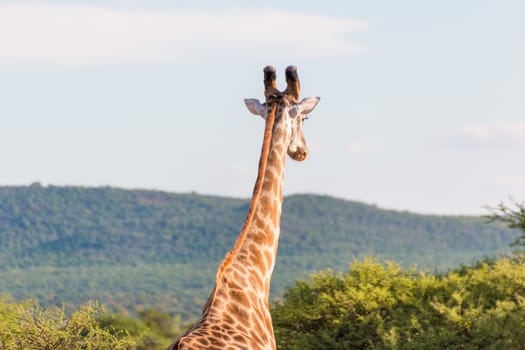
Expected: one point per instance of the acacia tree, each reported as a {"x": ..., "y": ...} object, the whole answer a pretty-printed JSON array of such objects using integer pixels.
[
  {"x": 513, "y": 216},
  {"x": 384, "y": 307},
  {"x": 28, "y": 326}
]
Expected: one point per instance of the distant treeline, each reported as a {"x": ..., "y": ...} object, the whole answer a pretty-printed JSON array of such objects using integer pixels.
[{"x": 142, "y": 249}]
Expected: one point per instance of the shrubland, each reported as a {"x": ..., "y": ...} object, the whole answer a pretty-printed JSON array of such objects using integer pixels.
[
  {"x": 132, "y": 249},
  {"x": 383, "y": 306},
  {"x": 373, "y": 305},
  {"x": 73, "y": 243}
]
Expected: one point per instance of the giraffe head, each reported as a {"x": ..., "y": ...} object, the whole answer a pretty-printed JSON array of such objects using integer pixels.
[{"x": 290, "y": 112}]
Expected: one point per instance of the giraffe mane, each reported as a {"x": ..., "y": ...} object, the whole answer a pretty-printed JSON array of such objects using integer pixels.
[{"x": 263, "y": 161}]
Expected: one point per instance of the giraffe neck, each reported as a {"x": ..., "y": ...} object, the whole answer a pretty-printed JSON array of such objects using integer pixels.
[
  {"x": 256, "y": 246},
  {"x": 239, "y": 300},
  {"x": 258, "y": 250}
]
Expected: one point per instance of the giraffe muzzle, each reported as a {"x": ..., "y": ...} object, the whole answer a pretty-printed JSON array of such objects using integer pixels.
[{"x": 298, "y": 153}]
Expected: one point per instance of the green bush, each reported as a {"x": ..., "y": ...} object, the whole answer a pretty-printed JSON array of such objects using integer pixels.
[
  {"x": 28, "y": 326},
  {"x": 154, "y": 329},
  {"x": 382, "y": 306}
]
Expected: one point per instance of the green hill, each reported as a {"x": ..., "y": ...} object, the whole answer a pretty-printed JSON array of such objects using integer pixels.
[{"x": 137, "y": 248}]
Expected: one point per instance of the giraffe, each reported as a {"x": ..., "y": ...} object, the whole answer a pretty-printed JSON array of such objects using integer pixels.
[{"x": 236, "y": 315}]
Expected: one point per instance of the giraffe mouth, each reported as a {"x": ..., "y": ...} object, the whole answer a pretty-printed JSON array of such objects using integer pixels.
[{"x": 298, "y": 154}]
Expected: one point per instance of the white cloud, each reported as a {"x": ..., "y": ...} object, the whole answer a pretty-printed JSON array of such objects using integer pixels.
[
  {"x": 47, "y": 35},
  {"x": 494, "y": 134}
]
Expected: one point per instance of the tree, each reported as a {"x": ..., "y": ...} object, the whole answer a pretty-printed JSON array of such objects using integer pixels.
[
  {"x": 28, "y": 326},
  {"x": 155, "y": 329},
  {"x": 512, "y": 216},
  {"x": 384, "y": 307}
]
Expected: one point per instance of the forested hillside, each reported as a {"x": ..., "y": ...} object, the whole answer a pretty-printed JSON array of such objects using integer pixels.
[{"x": 130, "y": 248}]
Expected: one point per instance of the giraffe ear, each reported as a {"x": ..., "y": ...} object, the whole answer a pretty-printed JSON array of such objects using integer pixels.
[
  {"x": 305, "y": 106},
  {"x": 308, "y": 104},
  {"x": 255, "y": 106}
]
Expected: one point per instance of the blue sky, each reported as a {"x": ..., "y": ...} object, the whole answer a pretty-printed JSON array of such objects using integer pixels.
[{"x": 422, "y": 106}]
